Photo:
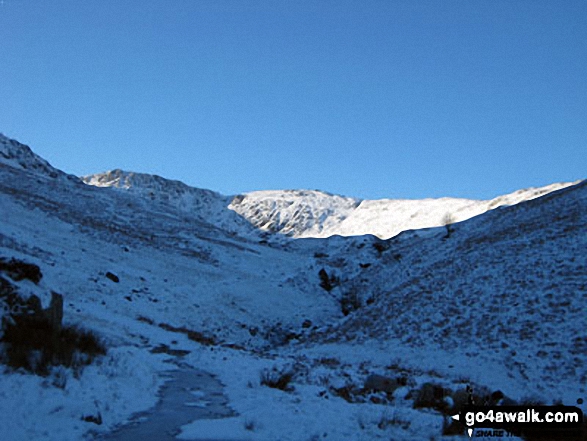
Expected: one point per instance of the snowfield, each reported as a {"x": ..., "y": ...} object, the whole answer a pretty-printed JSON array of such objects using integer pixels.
[{"x": 307, "y": 291}]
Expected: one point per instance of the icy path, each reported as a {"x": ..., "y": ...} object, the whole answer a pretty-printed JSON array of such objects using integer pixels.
[{"x": 189, "y": 395}]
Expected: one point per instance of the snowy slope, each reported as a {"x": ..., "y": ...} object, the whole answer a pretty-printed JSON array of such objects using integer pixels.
[
  {"x": 509, "y": 286},
  {"x": 497, "y": 304}
]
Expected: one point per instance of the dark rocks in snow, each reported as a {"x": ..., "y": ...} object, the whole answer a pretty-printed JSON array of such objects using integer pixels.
[
  {"x": 307, "y": 324},
  {"x": 112, "y": 277},
  {"x": 31, "y": 308},
  {"x": 432, "y": 396},
  {"x": 19, "y": 270},
  {"x": 380, "y": 383},
  {"x": 381, "y": 245},
  {"x": 96, "y": 419},
  {"x": 34, "y": 337}
]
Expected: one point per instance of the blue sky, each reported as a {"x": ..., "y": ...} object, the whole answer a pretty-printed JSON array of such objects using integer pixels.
[{"x": 372, "y": 99}]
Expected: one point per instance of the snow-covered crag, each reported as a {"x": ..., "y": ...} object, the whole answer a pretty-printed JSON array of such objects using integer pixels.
[{"x": 170, "y": 275}]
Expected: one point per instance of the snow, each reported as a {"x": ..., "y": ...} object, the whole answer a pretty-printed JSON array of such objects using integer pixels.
[
  {"x": 434, "y": 309},
  {"x": 115, "y": 386},
  {"x": 308, "y": 213},
  {"x": 317, "y": 214}
]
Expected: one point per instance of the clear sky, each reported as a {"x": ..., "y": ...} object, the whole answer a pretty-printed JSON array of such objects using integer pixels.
[{"x": 372, "y": 99}]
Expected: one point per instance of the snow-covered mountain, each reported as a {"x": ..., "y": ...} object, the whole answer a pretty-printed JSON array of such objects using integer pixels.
[
  {"x": 310, "y": 213},
  {"x": 175, "y": 277},
  {"x": 316, "y": 214}
]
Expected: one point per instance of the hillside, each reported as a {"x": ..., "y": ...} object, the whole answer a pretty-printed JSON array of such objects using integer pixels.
[
  {"x": 170, "y": 278},
  {"x": 509, "y": 286}
]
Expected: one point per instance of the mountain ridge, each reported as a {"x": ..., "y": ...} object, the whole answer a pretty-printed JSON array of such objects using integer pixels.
[
  {"x": 314, "y": 213},
  {"x": 291, "y": 213}
]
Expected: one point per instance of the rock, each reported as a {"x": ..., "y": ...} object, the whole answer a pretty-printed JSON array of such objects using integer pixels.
[
  {"x": 431, "y": 396},
  {"x": 112, "y": 277},
  {"x": 307, "y": 324},
  {"x": 96, "y": 419},
  {"x": 380, "y": 383},
  {"x": 19, "y": 270},
  {"x": 31, "y": 306},
  {"x": 460, "y": 399}
]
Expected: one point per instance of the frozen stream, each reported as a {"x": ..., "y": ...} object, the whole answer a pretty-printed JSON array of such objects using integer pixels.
[{"x": 189, "y": 395}]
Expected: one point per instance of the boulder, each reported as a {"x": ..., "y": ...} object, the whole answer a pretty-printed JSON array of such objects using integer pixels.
[
  {"x": 380, "y": 383},
  {"x": 19, "y": 270},
  {"x": 112, "y": 277}
]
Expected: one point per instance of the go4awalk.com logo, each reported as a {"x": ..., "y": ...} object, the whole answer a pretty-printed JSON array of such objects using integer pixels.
[{"x": 514, "y": 420}]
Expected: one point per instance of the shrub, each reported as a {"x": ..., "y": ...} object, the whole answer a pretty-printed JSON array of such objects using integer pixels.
[
  {"x": 35, "y": 345},
  {"x": 381, "y": 246},
  {"x": 277, "y": 378},
  {"x": 250, "y": 425},
  {"x": 327, "y": 282},
  {"x": 196, "y": 336},
  {"x": 350, "y": 301},
  {"x": 447, "y": 222}
]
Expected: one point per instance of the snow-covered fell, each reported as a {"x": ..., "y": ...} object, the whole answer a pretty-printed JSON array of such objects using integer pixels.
[
  {"x": 496, "y": 301},
  {"x": 309, "y": 213},
  {"x": 317, "y": 214}
]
